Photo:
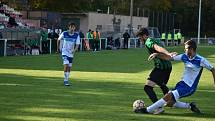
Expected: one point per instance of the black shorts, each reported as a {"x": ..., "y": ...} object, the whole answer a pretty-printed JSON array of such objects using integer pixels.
[{"x": 160, "y": 76}]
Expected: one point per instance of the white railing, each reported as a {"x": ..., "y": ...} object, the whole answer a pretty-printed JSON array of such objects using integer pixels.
[
  {"x": 207, "y": 41},
  {"x": 103, "y": 44},
  {"x": 134, "y": 43}
]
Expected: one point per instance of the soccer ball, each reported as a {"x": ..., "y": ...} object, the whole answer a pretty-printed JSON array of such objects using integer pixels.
[{"x": 138, "y": 104}]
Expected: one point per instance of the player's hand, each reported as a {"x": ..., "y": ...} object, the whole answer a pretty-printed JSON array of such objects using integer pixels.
[
  {"x": 172, "y": 54},
  {"x": 74, "y": 51},
  {"x": 152, "y": 56}
]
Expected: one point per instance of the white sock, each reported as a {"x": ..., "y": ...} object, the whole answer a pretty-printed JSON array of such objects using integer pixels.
[
  {"x": 159, "y": 103},
  {"x": 66, "y": 76},
  {"x": 179, "y": 104}
]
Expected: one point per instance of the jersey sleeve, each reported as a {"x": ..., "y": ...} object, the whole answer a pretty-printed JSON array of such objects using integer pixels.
[
  {"x": 177, "y": 57},
  {"x": 205, "y": 63},
  {"x": 78, "y": 41},
  {"x": 150, "y": 43},
  {"x": 61, "y": 36}
]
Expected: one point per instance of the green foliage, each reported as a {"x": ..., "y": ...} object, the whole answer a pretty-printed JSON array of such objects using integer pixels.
[
  {"x": 161, "y": 5},
  {"x": 187, "y": 10},
  {"x": 119, "y": 6}
]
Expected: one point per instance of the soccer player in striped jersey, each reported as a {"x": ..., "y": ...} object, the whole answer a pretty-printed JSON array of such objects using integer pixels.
[
  {"x": 71, "y": 42},
  {"x": 194, "y": 65},
  {"x": 162, "y": 68}
]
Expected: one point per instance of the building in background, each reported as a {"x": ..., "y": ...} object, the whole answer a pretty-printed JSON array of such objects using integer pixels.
[{"x": 105, "y": 23}]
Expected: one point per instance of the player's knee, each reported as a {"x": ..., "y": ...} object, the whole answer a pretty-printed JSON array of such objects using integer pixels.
[
  {"x": 170, "y": 104},
  {"x": 164, "y": 89},
  {"x": 150, "y": 83},
  {"x": 169, "y": 99},
  {"x": 70, "y": 65}
]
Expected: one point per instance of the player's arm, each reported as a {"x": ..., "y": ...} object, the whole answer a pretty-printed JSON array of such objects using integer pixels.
[
  {"x": 78, "y": 42},
  {"x": 161, "y": 49},
  {"x": 213, "y": 73},
  {"x": 58, "y": 41},
  {"x": 205, "y": 63},
  {"x": 76, "y": 47},
  {"x": 160, "y": 55}
]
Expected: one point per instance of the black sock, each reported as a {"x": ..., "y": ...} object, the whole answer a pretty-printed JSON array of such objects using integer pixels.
[
  {"x": 150, "y": 92},
  {"x": 164, "y": 89}
]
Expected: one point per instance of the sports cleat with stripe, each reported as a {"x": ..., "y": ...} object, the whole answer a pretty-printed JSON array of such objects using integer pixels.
[
  {"x": 142, "y": 110},
  {"x": 194, "y": 108}
]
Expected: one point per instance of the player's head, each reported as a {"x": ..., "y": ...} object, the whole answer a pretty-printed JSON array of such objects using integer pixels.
[
  {"x": 143, "y": 34},
  {"x": 190, "y": 47},
  {"x": 71, "y": 26}
]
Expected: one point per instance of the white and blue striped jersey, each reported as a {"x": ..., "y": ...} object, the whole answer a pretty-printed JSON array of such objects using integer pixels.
[
  {"x": 69, "y": 42},
  {"x": 193, "y": 68}
]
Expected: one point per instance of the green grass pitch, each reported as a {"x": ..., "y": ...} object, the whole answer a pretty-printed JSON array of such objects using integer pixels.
[{"x": 104, "y": 86}]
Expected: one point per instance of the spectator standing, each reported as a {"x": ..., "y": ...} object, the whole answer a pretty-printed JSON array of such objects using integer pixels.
[
  {"x": 96, "y": 37},
  {"x": 179, "y": 37},
  {"x": 175, "y": 39},
  {"x": 169, "y": 39},
  {"x": 45, "y": 42},
  {"x": 126, "y": 36},
  {"x": 163, "y": 38},
  {"x": 81, "y": 34}
]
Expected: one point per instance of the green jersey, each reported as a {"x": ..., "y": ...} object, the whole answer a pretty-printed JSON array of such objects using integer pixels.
[
  {"x": 44, "y": 36},
  {"x": 159, "y": 63}
]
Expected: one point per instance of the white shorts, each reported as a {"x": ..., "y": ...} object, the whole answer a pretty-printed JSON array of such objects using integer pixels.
[{"x": 67, "y": 60}]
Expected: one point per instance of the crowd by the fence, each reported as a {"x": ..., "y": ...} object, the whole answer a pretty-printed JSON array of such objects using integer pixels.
[
  {"x": 47, "y": 46},
  {"x": 90, "y": 41}
]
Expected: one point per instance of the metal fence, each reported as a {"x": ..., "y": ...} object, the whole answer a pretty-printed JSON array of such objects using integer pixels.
[
  {"x": 205, "y": 41},
  {"x": 31, "y": 46}
]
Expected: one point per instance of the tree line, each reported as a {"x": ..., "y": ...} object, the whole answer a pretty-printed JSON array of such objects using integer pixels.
[{"x": 184, "y": 12}]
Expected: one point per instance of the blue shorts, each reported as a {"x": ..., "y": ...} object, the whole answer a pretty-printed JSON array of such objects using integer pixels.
[
  {"x": 67, "y": 60},
  {"x": 182, "y": 90}
]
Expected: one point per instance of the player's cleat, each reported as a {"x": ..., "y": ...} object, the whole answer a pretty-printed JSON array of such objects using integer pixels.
[
  {"x": 142, "y": 110},
  {"x": 194, "y": 108},
  {"x": 66, "y": 83},
  {"x": 160, "y": 110}
]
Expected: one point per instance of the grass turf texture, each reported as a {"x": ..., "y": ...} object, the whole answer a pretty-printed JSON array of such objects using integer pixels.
[{"x": 104, "y": 86}]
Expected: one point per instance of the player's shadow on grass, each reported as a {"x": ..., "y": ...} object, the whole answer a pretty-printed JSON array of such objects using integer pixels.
[
  {"x": 47, "y": 98},
  {"x": 181, "y": 114},
  {"x": 122, "y": 61}
]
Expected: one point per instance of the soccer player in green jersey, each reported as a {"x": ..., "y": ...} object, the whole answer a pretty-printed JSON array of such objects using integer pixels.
[{"x": 162, "y": 68}]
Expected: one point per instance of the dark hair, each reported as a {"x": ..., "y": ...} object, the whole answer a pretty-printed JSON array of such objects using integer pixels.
[
  {"x": 71, "y": 24},
  {"x": 191, "y": 44},
  {"x": 143, "y": 31}
]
